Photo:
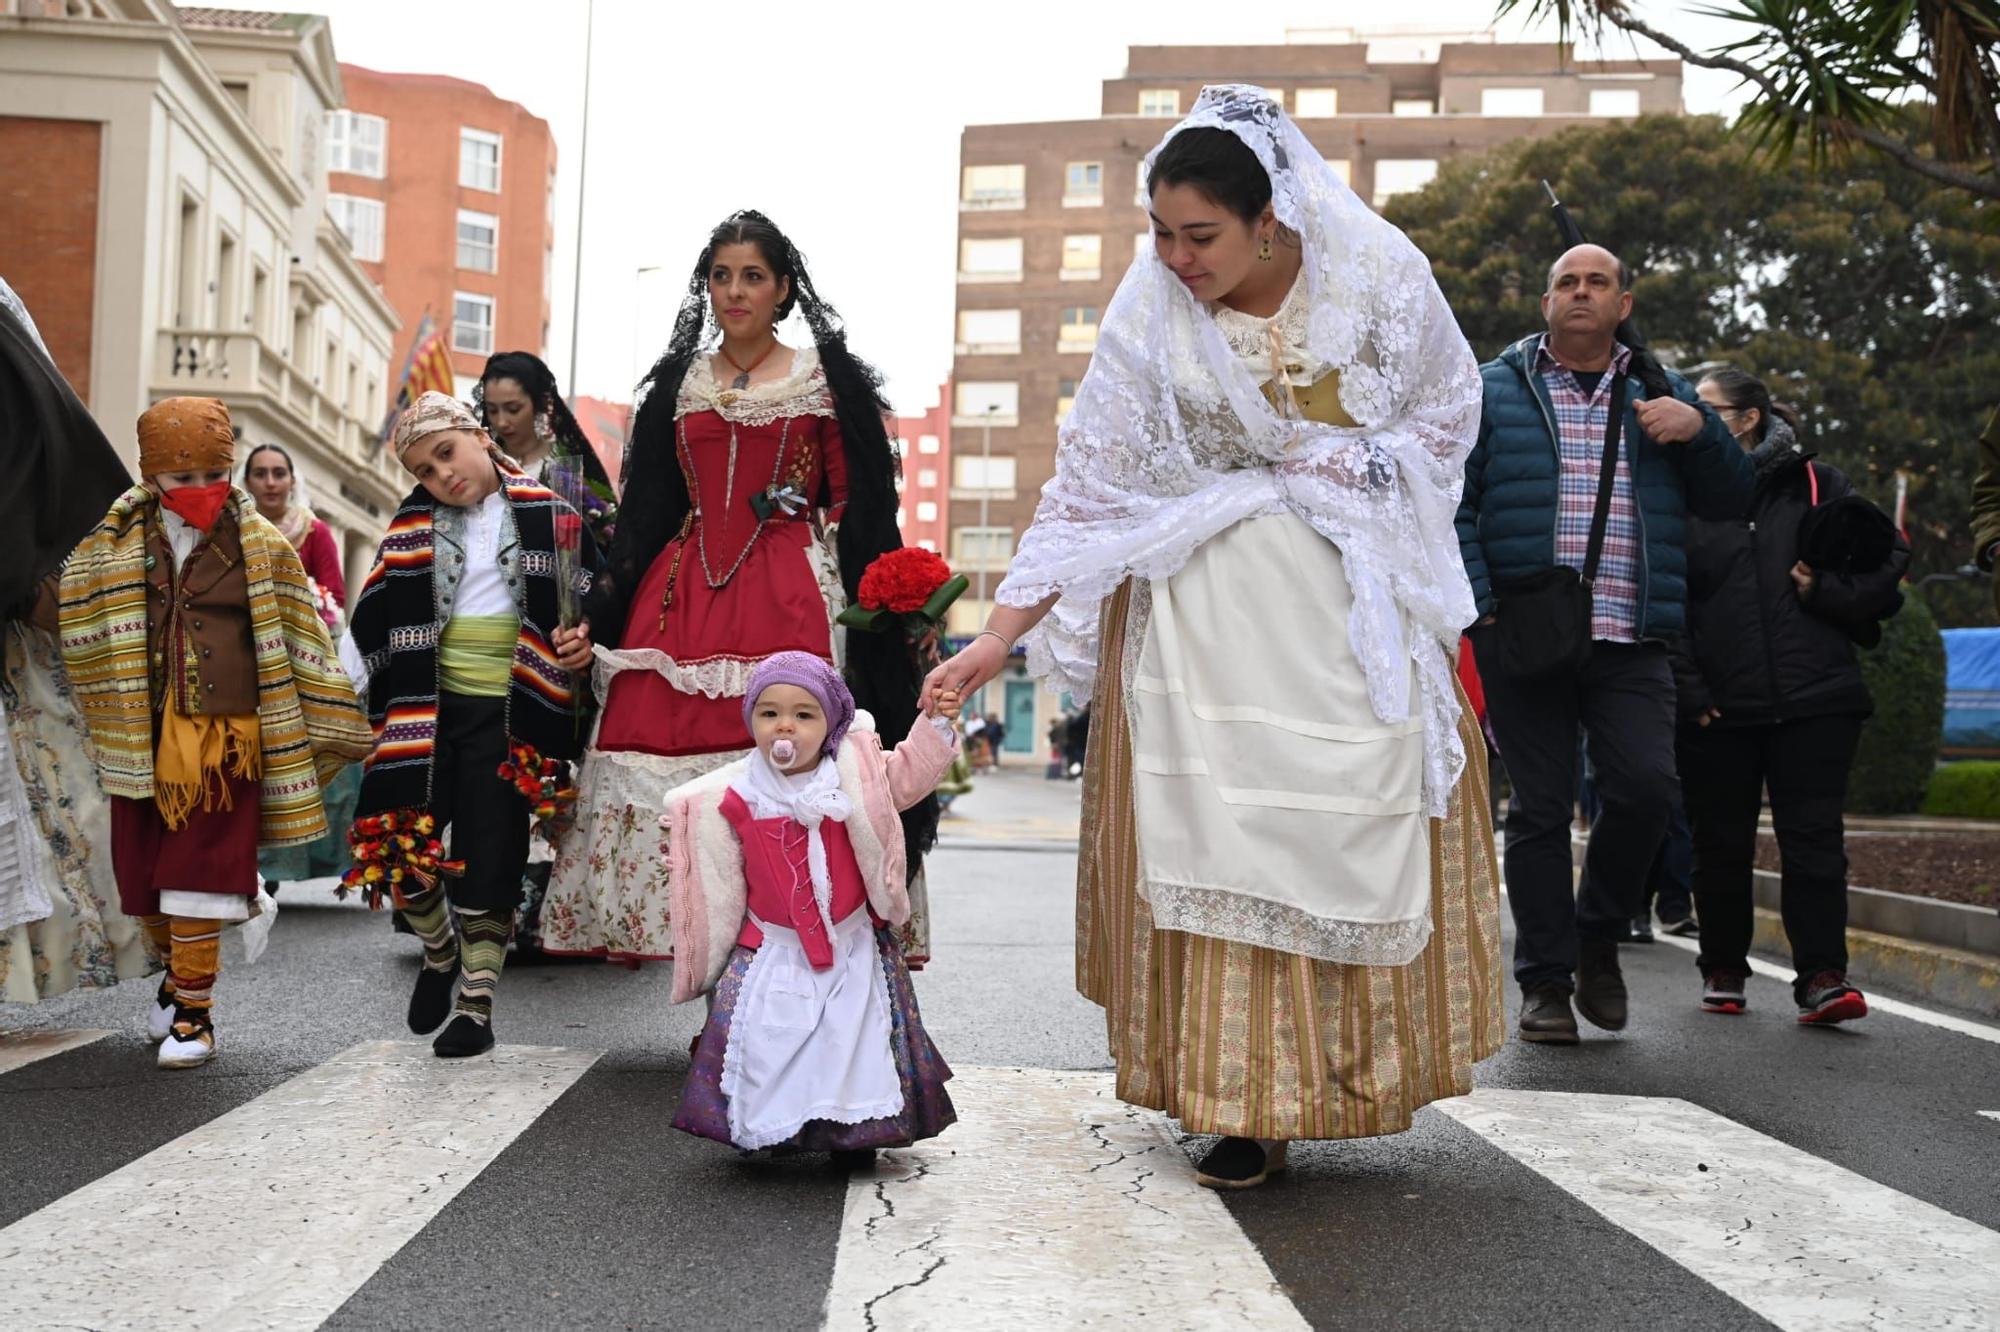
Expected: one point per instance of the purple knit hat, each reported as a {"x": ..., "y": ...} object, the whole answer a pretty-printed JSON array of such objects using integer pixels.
[{"x": 812, "y": 674}]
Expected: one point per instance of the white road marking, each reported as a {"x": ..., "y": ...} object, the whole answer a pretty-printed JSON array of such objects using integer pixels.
[
  {"x": 1800, "y": 1242},
  {"x": 21, "y": 1048},
  {"x": 272, "y": 1215},
  {"x": 1049, "y": 1204},
  {"x": 1876, "y": 1003},
  {"x": 1991, "y": 1114}
]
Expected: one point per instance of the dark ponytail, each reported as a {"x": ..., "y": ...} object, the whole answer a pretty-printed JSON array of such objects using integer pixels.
[{"x": 1744, "y": 392}]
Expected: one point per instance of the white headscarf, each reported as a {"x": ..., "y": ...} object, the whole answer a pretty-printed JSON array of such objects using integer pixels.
[{"x": 1171, "y": 441}]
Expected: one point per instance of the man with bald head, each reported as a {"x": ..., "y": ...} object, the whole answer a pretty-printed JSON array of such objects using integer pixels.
[{"x": 1530, "y": 511}]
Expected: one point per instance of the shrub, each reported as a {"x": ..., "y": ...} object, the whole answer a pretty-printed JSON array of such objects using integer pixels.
[
  {"x": 1899, "y": 745},
  {"x": 1967, "y": 790}
]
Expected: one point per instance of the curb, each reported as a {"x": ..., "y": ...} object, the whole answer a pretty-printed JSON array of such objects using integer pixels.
[{"x": 1954, "y": 977}]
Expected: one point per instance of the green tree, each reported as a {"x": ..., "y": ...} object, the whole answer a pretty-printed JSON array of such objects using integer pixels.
[{"x": 1867, "y": 295}]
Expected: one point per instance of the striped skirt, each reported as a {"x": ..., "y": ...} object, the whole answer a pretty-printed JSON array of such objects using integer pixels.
[{"x": 1233, "y": 1039}]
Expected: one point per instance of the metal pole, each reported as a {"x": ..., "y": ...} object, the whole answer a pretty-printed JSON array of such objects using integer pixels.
[{"x": 582, "y": 183}]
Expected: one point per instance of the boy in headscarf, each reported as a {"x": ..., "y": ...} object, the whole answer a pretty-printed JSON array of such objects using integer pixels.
[{"x": 198, "y": 657}]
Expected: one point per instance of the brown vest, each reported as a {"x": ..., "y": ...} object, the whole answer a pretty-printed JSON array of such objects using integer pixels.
[{"x": 198, "y": 625}]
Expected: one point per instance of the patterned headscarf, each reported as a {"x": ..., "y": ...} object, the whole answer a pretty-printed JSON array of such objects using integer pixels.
[
  {"x": 813, "y": 675},
  {"x": 186, "y": 435},
  {"x": 430, "y": 413}
]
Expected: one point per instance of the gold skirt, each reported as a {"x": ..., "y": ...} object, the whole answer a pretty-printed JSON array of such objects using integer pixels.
[{"x": 1233, "y": 1039}]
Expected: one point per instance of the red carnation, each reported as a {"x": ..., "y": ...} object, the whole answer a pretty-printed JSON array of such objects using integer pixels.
[{"x": 903, "y": 580}]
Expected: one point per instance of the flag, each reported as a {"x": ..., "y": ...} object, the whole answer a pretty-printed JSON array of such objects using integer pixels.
[{"x": 427, "y": 367}]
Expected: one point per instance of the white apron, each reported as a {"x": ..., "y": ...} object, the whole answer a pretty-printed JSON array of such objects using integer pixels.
[{"x": 808, "y": 1044}]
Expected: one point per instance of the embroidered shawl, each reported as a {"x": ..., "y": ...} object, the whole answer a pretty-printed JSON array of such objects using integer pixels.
[
  {"x": 401, "y": 612},
  {"x": 309, "y": 723}
]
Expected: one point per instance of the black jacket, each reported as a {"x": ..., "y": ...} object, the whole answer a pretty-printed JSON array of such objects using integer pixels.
[{"x": 1755, "y": 650}]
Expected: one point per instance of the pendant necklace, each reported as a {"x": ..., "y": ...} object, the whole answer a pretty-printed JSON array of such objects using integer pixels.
[{"x": 742, "y": 380}]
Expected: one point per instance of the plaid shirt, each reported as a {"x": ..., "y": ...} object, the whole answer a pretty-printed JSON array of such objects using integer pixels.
[{"x": 1580, "y": 421}]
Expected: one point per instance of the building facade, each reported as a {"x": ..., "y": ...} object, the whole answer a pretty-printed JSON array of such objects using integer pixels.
[
  {"x": 923, "y": 442},
  {"x": 163, "y": 214},
  {"x": 448, "y": 194},
  {"x": 1049, "y": 220}
]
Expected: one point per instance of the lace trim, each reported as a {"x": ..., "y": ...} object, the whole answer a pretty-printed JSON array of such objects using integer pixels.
[
  {"x": 802, "y": 392},
  {"x": 1221, "y": 913},
  {"x": 715, "y": 677},
  {"x": 1249, "y": 336}
]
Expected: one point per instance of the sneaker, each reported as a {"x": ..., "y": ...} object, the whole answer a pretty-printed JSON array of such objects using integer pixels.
[
  {"x": 1683, "y": 928},
  {"x": 1546, "y": 1018},
  {"x": 160, "y": 1017},
  {"x": 465, "y": 1037},
  {"x": 1827, "y": 998},
  {"x": 1641, "y": 930},
  {"x": 1239, "y": 1163},
  {"x": 191, "y": 1041},
  {"x": 1722, "y": 991},
  {"x": 1600, "y": 985}
]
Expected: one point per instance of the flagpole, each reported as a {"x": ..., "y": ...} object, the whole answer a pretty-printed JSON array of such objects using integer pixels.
[{"x": 582, "y": 183}]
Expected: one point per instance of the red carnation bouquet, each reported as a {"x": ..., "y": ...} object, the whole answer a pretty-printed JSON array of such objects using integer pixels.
[{"x": 908, "y": 588}]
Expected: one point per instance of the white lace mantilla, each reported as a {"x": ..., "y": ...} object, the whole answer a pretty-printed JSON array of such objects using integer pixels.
[
  {"x": 1171, "y": 441},
  {"x": 800, "y": 391},
  {"x": 1224, "y": 913}
]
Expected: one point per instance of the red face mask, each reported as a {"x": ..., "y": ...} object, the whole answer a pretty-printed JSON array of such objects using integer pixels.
[{"x": 199, "y": 505}]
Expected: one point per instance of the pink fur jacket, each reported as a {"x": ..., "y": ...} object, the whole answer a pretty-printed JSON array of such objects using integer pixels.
[{"x": 706, "y": 889}]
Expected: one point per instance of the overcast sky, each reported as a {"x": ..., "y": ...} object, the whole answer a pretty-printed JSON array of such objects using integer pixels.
[{"x": 840, "y": 120}]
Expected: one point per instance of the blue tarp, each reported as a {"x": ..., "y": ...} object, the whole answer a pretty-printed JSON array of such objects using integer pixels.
[{"x": 1972, "y": 693}]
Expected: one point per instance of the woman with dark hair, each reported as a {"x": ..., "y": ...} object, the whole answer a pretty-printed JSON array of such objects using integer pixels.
[
  {"x": 759, "y": 484},
  {"x": 1286, "y": 899},
  {"x": 1771, "y": 697}
]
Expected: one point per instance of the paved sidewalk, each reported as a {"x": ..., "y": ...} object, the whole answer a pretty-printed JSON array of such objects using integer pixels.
[{"x": 1014, "y": 803}]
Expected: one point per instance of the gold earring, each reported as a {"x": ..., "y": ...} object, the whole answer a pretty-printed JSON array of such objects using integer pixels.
[{"x": 1264, "y": 250}]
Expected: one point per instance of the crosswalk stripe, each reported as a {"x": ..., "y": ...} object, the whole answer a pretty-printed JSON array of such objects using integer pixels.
[
  {"x": 1050, "y": 1203},
  {"x": 1991, "y": 1114},
  {"x": 1877, "y": 1003},
  {"x": 21, "y": 1048},
  {"x": 1800, "y": 1242},
  {"x": 272, "y": 1215}
]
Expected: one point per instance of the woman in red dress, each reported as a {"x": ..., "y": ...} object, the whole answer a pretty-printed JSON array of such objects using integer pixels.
[{"x": 758, "y": 485}]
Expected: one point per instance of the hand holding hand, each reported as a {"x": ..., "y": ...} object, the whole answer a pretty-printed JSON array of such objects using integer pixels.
[
  {"x": 573, "y": 647},
  {"x": 1804, "y": 579},
  {"x": 961, "y": 675},
  {"x": 946, "y": 704},
  {"x": 1669, "y": 420}
]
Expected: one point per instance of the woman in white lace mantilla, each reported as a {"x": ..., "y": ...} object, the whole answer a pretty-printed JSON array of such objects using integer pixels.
[{"x": 1286, "y": 898}]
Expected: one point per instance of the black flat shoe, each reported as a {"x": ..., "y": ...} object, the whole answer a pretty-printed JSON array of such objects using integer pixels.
[
  {"x": 854, "y": 1160},
  {"x": 1239, "y": 1163},
  {"x": 1600, "y": 985},
  {"x": 1546, "y": 1018},
  {"x": 464, "y": 1038},
  {"x": 430, "y": 1002}
]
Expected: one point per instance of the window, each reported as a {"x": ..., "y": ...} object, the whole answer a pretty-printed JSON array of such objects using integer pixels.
[
  {"x": 982, "y": 473},
  {"x": 479, "y": 160},
  {"x": 1082, "y": 258},
  {"x": 239, "y": 93},
  {"x": 1079, "y": 329},
  {"x": 1400, "y": 175},
  {"x": 927, "y": 477},
  {"x": 928, "y": 444},
  {"x": 228, "y": 309},
  {"x": 989, "y": 332},
  {"x": 982, "y": 547},
  {"x": 1316, "y": 104},
  {"x": 472, "y": 323},
  {"x": 478, "y": 241},
  {"x": 1159, "y": 101},
  {"x": 188, "y": 290},
  {"x": 356, "y": 144},
  {"x": 926, "y": 511},
  {"x": 1614, "y": 101},
  {"x": 1065, "y": 398},
  {"x": 1510, "y": 101},
  {"x": 362, "y": 221},
  {"x": 990, "y": 260},
  {"x": 1413, "y": 106},
  {"x": 994, "y": 187},
  {"x": 552, "y": 198},
  {"x": 1344, "y": 169},
  {"x": 260, "y": 300},
  {"x": 987, "y": 402},
  {"x": 1083, "y": 185}
]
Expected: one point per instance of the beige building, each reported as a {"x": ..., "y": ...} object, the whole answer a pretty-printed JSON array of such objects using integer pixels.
[
  {"x": 1049, "y": 220},
  {"x": 163, "y": 214}
]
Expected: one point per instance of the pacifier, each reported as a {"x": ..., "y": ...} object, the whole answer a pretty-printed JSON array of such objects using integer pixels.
[{"x": 783, "y": 752}]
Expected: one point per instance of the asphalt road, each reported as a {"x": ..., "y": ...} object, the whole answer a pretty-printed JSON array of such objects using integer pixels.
[{"x": 600, "y": 1215}]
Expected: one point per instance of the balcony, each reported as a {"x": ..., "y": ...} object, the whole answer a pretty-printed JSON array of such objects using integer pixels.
[
  {"x": 1081, "y": 274},
  {"x": 989, "y": 275},
  {"x": 993, "y": 201},
  {"x": 1084, "y": 199},
  {"x": 987, "y": 348}
]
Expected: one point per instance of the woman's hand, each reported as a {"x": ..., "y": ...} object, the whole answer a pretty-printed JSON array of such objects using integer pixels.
[
  {"x": 573, "y": 647},
  {"x": 1803, "y": 579},
  {"x": 981, "y": 661}
]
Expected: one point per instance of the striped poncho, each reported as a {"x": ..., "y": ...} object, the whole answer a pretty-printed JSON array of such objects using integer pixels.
[{"x": 308, "y": 721}]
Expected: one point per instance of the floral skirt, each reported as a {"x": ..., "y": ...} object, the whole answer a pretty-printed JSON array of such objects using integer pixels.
[{"x": 927, "y": 1110}]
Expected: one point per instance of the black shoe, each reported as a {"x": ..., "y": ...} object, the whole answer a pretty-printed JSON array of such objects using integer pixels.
[
  {"x": 1600, "y": 985},
  {"x": 466, "y": 1036},
  {"x": 1641, "y": 931},
  {"x": 1684, "y": 928},
  {"x": 271, "y": 887},
  {"x": 1239, "y": 1163},
  {"x": 430, "y": 1002},
  {"x": 1545, "y": 1016},
  {"x": 855, "y": 1160}
]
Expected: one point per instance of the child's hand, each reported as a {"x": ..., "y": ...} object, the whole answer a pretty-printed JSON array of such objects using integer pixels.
[
  {"x": 573, "y": 647},
  {"x": 946, "y": 704}
]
